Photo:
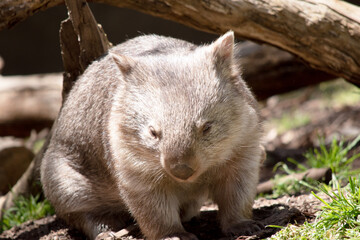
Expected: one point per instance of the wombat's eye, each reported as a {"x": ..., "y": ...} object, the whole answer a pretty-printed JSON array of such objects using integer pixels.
[
  {"x": 154, "y": 133},
  {"x": 206, "y": 128}
]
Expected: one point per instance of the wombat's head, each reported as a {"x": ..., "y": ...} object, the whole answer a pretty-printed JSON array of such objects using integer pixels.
[{"x": 185, "y": 113}]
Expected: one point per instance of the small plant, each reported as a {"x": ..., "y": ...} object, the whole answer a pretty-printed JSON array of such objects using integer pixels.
[
  {"x": 338, "y": 219},
  {"x": 295, "y": 232},
  {"x": 25, "y": 209},
  {"x": 343, "y": 212},
  {"x": 335, "y": 158},
  {"x": 290, "y": 186}
]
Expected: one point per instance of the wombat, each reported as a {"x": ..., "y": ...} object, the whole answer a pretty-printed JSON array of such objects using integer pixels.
[{"x": 150, "y": 131}]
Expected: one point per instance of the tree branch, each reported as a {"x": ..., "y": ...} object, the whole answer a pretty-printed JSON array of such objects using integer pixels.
[
  {"x": 324, "y": 33},
  {"x": 269, "y": 71},
  {"x": 82, "y": 41},
  {"x": 87, "y": 37}
]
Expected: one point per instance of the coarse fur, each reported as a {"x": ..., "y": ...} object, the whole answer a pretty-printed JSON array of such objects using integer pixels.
[{"x": 150, "y": 131}]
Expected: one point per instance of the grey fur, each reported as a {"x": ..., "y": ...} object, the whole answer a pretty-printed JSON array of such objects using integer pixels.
[{"x": 134, "y": 124}]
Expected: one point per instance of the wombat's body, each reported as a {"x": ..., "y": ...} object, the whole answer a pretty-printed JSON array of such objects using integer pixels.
[{"x": 153, "y": 129}]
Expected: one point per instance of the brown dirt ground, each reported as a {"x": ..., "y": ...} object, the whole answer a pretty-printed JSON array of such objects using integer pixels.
[
  {"x": 279, "y": 211},
  {"x": 341, "y": 120}
]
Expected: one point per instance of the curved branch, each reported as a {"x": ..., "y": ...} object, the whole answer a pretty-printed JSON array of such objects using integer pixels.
[
  {"x": 15, "y": 11},
  {"x": 324, "y": 33}
]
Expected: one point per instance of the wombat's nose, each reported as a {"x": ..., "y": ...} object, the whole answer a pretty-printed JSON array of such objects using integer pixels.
[{"x": 181, "y": 171}]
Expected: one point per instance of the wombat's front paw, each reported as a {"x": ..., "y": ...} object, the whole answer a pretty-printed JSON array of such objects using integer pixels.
[
  {"x": 246, "y": 227},
  {"x": 180, "y": 236},
  {"x": 109, "y": 235}
]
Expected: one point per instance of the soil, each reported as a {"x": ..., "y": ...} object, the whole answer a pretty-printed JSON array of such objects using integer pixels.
[
  {"x": 341, "y": 120},
  {"x": 281, "y": 211}
]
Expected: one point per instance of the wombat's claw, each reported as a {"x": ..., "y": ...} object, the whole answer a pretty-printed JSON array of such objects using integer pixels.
[
  {"x": 106, "y": 236},
  {"x": 247, "y": 228},
  {"x": 181, "y": 236}
]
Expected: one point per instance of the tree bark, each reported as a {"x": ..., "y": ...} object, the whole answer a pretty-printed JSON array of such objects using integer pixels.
[
  {"x": 269, "y": 71},
  {"x": 323, "y": 33},
  {"x": 82, "y": 41},
  {"x": 28, "y": 102},
  {"x": 92, "y": 43}
]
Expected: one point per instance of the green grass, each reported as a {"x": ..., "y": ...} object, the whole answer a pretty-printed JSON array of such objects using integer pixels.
[
  {"x": 340, "y": 217},
  {"x": 335, "y": 157},
  {"x": 338, "y": 93},
  {"x": 290, "y": 121},
  {"x": 326, "y": 95},
  {"x": 25, "y": 209},
  {"x": 344, "y": 209},
  {"x": 289, "y": 186}
]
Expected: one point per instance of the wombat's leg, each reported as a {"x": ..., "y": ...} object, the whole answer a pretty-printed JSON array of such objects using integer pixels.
[
  {"x": 192, "y": 207},
  {"x": 234, "y": 192},
  {"x": 85, "y": 222},
  {"x": 157, "y": 214},
  {"x": 190, "y": 210},
  {"x": 95, "y": 224}
]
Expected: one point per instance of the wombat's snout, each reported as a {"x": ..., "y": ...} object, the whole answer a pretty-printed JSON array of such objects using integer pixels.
[
  {"x": 181, "y": 171},
  {"x": 181, "y": 165}
]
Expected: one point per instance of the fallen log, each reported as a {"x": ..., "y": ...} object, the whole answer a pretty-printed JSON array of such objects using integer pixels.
[
  {"x": 325, "y": 34},
  {"x": 28, "y": 102},
  {"x": 318, "y": 174},
  {"x": 270, "y": 71},
  {"x": 86, "y": 29}
]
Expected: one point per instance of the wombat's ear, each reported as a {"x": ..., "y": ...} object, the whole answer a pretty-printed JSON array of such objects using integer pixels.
[
  {"x": 223, "y": 53},
  {"x": 125, "y": 64},
  {"x": 223, "y": 47}
]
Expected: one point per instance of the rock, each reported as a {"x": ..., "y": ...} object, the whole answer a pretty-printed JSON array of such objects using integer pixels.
[{"x": 14, "y": 160}]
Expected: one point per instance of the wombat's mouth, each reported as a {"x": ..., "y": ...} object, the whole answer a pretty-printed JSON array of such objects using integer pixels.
[
  {"x": 181, "y": 168},
  {"x": 183, "y": 173}
]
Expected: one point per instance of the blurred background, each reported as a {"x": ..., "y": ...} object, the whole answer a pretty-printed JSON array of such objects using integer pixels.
[{"x": 32, "y": 46}]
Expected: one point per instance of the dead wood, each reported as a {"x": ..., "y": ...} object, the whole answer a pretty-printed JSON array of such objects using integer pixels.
[
  {"x": 82, "y": 41},
  {"x": 86, "y": 28},
  {"x": 319, "y": 174},
  {"x": 28, "y": 102},
  {"x": 270, "y": 71},
  {"x": 70, "y": 53},
  {"x": 325, "y": 34}
]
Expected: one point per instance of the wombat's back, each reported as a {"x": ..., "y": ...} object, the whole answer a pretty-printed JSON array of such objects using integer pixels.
[
  {"x": 80, "y": 134},
  {"x": 153, "y": 45}
]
